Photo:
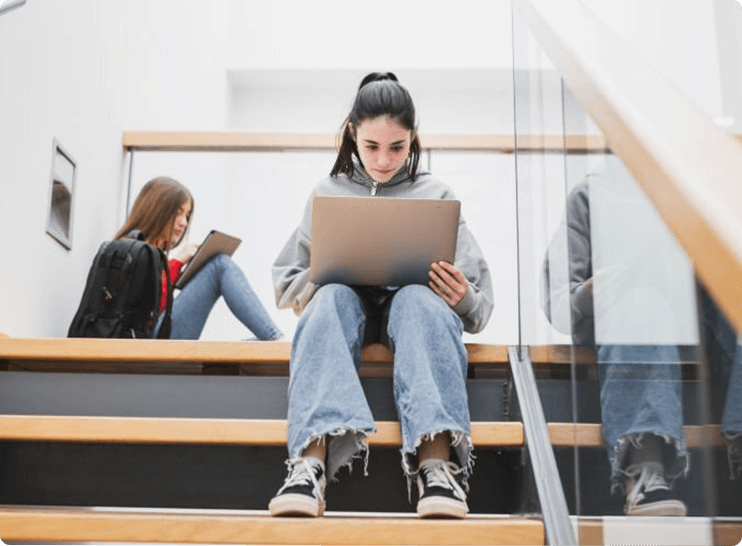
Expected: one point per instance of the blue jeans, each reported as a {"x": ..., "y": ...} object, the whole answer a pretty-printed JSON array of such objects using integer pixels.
[
  {"x": 724, "y": 354},
  {"x": 220, "y": 277},
  {"x": 641, "y": 394},
  {"x": 326, "y": 399}
]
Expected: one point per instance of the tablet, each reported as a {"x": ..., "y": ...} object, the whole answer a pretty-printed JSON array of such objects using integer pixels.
[
  {"x": 380, "y": 241},
  {"x": 215, "y": 243}
]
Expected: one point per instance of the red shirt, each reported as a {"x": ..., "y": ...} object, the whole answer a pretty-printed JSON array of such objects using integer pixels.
[{"x": 174, "y": 266}]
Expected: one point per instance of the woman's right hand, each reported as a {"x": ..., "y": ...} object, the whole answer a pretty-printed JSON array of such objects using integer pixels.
[{"x": 185, "y": 255}]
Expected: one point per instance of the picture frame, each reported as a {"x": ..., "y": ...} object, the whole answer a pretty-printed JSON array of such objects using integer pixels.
[{"x": 61, "y": 196}]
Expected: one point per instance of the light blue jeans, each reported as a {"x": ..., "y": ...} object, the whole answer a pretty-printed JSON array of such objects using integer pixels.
[
  {"x": 641, "y": 395},
  {"x": 724, "y": 354},
  {"x": 220, "y": 277},
  {"x": 326, "y": 399}
]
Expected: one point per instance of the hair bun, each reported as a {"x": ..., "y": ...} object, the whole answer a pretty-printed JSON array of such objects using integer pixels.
[{"x": 378, "y": 77}]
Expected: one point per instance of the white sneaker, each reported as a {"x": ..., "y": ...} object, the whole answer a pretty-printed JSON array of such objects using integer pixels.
[
  {"x": 441, "y": 493},
  {"x": 303, "y": 492},
  {"x": 648, "y": 493}
]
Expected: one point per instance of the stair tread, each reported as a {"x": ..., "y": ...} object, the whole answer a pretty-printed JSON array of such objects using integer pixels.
[
  {"x": 266, "y": 432},
  {"x": 257, "y": 527}
]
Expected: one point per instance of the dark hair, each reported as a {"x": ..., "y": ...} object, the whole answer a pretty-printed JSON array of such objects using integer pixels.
[
  {"x": 380, "y": 94},
  {"x": 155, "y": 209}
]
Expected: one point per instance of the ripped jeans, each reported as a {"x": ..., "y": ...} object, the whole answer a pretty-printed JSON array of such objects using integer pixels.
[
  {"x": 641, "y": 394},
  {"x": 220, "y": 277},
  {"x": 326, "y": 398}
]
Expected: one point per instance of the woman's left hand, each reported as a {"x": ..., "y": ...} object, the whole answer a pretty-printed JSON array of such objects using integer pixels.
[
  {"x": 187, "y": 252},
  {"x": 448, "y": 282}
]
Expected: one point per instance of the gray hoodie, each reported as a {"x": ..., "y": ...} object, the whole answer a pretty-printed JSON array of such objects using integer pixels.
[{"x": 291, "y": 269}]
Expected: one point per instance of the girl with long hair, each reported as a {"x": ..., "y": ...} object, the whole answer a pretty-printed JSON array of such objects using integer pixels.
[
  {"x": 329, "y": 419},
  {"x": 162, "y": 212}
]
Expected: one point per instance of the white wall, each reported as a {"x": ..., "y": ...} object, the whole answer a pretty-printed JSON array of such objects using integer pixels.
[
  {"x": 677, "y": 37},
  {"x": 84, "y": 71}
]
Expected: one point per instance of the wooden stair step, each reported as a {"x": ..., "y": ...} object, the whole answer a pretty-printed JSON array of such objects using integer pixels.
[
  {"x": 201, "y": 526},
  {"x": 591, "y": 435},
  {"x": 256, "y": 432}
]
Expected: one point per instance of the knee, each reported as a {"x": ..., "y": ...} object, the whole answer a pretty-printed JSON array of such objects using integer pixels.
[
  {"x": 222, "y": 261},
  {"x": 330, "y": 298},
  {"x": 332, "y": 306},
  {"x": 333, "y": 294},
  {"x": 418, "y": 304},
  {"x": 418, "y": 300}
]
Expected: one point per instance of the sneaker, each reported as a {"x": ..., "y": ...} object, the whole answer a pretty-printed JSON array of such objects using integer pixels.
[
  {"x": 649, "y": 494},
  {"x": 303, "y": 492},
  {"x": 441, "y": 493}
]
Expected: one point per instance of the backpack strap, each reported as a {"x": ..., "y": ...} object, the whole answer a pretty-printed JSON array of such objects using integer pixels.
[
  {"x": 160, "y": 259},
  {"x": 135, "y": 234}
]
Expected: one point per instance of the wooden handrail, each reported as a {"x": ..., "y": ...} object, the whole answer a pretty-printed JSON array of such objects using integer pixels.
[
  {"x": 687, "y": 165},
  {"x": 233, "y": 141}
]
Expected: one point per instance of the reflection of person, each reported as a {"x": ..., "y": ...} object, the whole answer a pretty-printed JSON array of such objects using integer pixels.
[
  {"x": 329, "y": 419},
  {"x": 640, "y": 384},
  {"x": 162, "y": 212}
]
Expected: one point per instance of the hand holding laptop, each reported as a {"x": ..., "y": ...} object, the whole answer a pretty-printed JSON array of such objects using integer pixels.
[
  {"x": 448, "y": 282},
  {"x": 185, "y": 255}
]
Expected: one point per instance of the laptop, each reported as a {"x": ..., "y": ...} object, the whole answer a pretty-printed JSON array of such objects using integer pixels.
[
  {"x": 215, "y": 243},
  {"x": 379, "y": 241}
]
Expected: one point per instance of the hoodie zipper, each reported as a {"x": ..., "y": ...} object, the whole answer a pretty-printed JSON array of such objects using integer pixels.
[{"x": 374, "y": 188}]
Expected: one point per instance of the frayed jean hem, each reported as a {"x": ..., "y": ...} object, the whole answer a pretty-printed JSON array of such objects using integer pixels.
[
  {"x": 345, "y": 444},
  {"x": 462, "y": 447},
  {"x": 734, "y": 453},
  {"x": 676, "y": 465}
]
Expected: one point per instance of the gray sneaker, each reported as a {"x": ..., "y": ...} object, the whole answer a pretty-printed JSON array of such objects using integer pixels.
[
  {"x": 648, "y": 493},
  {"x": 303, "y": 492},
  {"x": 441, "y": 491}
]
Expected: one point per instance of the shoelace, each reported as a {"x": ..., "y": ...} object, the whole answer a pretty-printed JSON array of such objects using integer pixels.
[
  {"x": 441, "y": 474},
  {"x": 651, "y": 478},
  {"x": 302, "y": 473}
]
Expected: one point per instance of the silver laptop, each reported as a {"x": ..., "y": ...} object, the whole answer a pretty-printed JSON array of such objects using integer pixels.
[
  {"x": 381, "y": 241},
  {"x": 215, "y": 243}
]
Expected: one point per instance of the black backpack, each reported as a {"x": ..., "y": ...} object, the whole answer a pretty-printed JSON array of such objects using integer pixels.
[{"x": 123, "y": 291}]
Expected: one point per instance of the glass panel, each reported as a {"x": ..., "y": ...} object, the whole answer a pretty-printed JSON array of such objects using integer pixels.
[
  {"x": 484, "y": 183},
  {"x": 540, "y": 192},
  {"x": 610, "y": 310}
]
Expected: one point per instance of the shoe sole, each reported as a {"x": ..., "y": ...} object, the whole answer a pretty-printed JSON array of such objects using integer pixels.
[
  {"x": 674, "y": 508},
  {"x": 441, "y": 507},
  {"x": 296, "y": 505}
]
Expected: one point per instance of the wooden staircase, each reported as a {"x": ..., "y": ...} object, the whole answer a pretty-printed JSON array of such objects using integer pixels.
[
  {"x": 40, "y": 360},
  {"x": 141, "y": 366}
]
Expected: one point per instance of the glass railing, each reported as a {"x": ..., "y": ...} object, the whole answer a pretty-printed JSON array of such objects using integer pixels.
[{"x": 648, "y": 398}]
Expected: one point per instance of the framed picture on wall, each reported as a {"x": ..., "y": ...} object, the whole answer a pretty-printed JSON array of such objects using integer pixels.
[{"x": 62, "y": 193}]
